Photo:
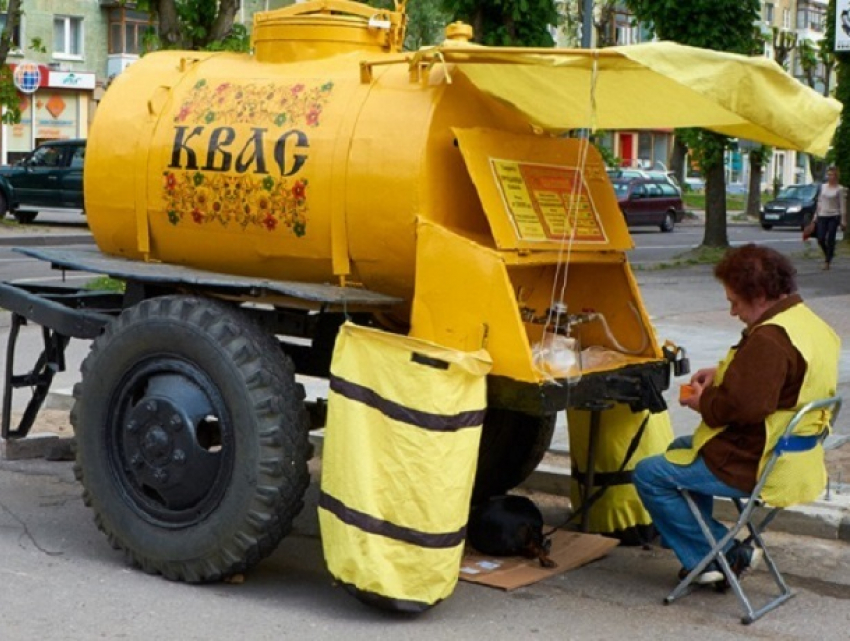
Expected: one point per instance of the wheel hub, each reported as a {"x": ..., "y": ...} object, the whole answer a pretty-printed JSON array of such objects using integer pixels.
[
  {"x": 168, "y": 449},
  {"x": 157, "y": 436}
]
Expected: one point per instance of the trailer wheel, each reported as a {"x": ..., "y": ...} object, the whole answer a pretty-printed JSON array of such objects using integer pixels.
[
  {"x": 512, "y": 445},
  {"x": 191, "y": 436}
]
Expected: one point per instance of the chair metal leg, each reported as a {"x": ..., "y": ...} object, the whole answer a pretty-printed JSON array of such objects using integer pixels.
[{"x": 716, "y": 554}]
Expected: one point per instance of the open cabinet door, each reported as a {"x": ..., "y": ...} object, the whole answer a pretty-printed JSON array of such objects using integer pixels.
[{"x": 542, "y": 193}]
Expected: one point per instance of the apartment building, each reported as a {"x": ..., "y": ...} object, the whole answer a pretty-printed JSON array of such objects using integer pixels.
[
  {"x": 63, "y": 77},
  {"x": 85, "y": 44}
]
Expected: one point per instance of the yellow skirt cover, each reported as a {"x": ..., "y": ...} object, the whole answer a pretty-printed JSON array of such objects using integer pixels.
[{"x": 401, "y": 445}]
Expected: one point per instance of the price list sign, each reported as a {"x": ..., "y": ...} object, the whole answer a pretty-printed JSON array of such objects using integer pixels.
[{"x": 547, "y": 202}]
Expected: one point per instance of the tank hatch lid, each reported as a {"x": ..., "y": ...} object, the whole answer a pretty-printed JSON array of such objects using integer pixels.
[
  {"x": 91, "y": 259},
  {"x": 543, "y": 193}
]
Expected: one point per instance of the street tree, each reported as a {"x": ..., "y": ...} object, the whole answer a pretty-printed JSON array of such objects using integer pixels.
[
  {"x": 9, "y": 99},
  {"x": 507, "y": 22},
  {"x": 723, "y": 25},
  {"x": 194, "y": 25},
  {"x": 840, "y": 151},
  {"x": 817, "y": 61},
  {"x": 426, "y": 21}
]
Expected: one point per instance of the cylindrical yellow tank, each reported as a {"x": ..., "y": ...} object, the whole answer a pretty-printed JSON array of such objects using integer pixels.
[{"x": 285, "y": 164}]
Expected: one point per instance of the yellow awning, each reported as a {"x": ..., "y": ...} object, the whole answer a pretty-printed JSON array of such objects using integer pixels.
[{"x": 651, "y": 86}]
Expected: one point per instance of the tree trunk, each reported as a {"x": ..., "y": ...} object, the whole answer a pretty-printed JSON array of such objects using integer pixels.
[
  {"x": 677, "y": 160},
  {"x": 818, "y": 168},
  {"x": 224, "y": 20},
  {"x": 715, "y": 207},
  {"x": 13, "y": 19},
  {"x": 754, "y": 187},
  {"x": 169, "y": 24}
]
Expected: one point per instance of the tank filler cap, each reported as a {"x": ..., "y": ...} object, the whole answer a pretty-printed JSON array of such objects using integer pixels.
[{"x": 459, "y": 31}]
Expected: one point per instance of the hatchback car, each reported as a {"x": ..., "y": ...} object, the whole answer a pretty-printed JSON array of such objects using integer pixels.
[
  {"x": 50, "y": 177},
  {"x": 794, "y": 206},
  {"x": 649, "y": 202}
]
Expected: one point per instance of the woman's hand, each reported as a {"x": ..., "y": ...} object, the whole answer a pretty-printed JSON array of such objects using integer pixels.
[{"x": 704, "y": 377}]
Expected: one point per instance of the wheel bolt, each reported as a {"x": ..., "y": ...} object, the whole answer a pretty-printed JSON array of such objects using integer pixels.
[
  {"x": 160, "y": 475},
  {"x": 136, "y": 460},
  {"x": 176, "y": 422},
  {"x": 179, "y": 456},
  {"x": 151, "y": 406},
  {"x": 132, "y": 426}
]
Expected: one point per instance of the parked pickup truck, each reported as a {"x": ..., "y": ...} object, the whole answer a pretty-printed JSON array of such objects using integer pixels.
[{"x": 51, "y": 177}]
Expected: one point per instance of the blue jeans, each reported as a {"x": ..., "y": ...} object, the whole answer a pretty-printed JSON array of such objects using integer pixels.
[
  {"x": 658, "y": 481},
  {"x": 827, "y": 229}
]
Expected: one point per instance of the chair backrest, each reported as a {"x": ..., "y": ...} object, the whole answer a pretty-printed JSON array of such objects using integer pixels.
[{"x": 790, "y": 442}]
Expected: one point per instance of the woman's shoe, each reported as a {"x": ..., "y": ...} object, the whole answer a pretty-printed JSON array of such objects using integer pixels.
[
  {"x": 825, "y": 267},
  {"x": 710, "y": 575}
]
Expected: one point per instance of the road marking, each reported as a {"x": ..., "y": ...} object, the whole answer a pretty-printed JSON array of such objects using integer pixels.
[{"x": 767, "y": 241}]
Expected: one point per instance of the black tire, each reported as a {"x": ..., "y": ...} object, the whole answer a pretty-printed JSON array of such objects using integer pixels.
[
  {"x": 25, "y": 217},
  {"x": 669, "y": 222},
  {"x": 192, "y": 438},
  {"x": 4, "y": 206},
  {"x": 512, "y": 446},
  {"x": 766, "y": 227}
]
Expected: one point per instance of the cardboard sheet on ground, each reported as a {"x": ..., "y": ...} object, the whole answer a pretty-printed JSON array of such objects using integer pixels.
[{"x": 569, "y": 550}]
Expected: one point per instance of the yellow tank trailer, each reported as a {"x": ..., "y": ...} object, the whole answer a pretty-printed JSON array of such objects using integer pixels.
[
  {"x": 300, "y": 163},
  {"x": 252, "y": 202}
]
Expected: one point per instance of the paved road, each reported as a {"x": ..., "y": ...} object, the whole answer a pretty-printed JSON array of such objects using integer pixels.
[{"x": 61, "y": 580}]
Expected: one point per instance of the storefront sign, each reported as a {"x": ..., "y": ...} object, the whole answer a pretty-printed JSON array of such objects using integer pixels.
[
  {"x": 71, "y": 80},
  {"x": 27, "y": 77},
  {"x": 842, "y": 25}
]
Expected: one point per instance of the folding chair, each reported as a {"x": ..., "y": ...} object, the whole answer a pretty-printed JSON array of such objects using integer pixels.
[{"x": 789, "y": 442}]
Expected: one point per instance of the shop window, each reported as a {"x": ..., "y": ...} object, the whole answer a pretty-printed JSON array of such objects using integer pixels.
[
  {"x": 67, "y": 37},
  {"x": 16, "y": 34}
]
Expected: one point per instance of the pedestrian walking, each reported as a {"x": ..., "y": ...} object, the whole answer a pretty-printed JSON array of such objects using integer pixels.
[{"x": 831, "y": 213}]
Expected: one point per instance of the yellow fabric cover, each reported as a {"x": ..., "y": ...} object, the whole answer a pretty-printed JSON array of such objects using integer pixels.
[
  {"x": 653, "y": 85},
  {"x": 798, "y": 477},
  {"x": 396, "y": 472},
  {"x": 620, "y": 507}
]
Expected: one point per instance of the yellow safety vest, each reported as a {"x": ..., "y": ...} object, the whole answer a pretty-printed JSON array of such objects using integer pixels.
[{"x": 798, "y": 477}]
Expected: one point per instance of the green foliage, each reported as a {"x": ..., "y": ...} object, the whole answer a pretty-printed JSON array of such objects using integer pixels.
[
  {"x": 722, "y": 25},
  {"x": 37, "y": 44},
  {"x": 105, "y": 283},
  {"x": 608, "y": 157},
  {"x": 841, "y": 142},
  {"x": 507, "y": 22},
  {"x": 9, "y": 97},
  {"x": 426, "y": 21},
  {"x": 237, "y": 40},
  {"x": 706, "y": 147},
  {"x": 193, "y": 28}
]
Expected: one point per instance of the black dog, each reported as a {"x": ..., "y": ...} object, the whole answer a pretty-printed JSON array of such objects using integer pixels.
[{"x": 509, "y": 526}]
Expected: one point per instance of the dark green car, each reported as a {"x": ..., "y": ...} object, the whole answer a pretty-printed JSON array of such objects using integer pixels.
[{"x": 51, "y": 177}]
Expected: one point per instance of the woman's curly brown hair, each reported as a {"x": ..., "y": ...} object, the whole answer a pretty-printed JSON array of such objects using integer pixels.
[{"x": 752, "y": 271}]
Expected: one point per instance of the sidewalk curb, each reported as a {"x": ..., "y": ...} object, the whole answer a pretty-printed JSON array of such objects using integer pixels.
[
  {"x": 45, "y": 240},
  {"x": 826, "y": 518}
]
